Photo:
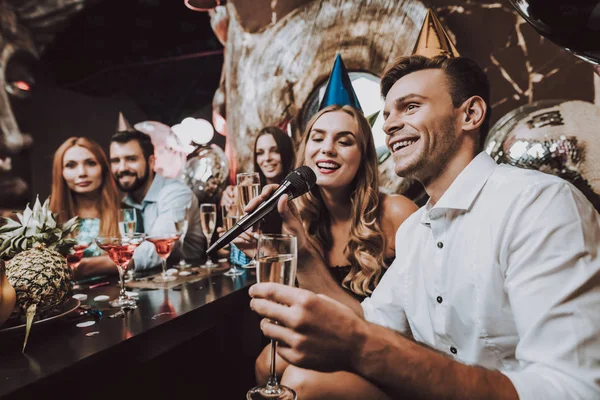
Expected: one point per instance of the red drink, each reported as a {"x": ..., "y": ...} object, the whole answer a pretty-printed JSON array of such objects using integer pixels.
[
  {"x": 74, "y": 259},
  {"x": 163, "y": 244},
  {"x": 121, "y": 254}
]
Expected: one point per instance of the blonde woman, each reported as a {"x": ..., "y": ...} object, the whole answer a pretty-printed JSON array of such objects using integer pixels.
[
  {"x": 82, "y": 185},
  {"x": 347, "y": 219}
]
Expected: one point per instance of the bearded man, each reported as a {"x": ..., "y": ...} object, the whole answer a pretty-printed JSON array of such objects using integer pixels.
[{"x": 158, "y": 200}]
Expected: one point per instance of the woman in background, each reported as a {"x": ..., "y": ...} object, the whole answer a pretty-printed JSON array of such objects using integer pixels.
[
  {"x": 347, "y": 219},
  {"x": 274, "y": 158},
  {"x": 82, "y": 186}
]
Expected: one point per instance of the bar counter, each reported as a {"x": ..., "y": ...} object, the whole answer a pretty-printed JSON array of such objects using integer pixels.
[{"x": 199, "y": 336}]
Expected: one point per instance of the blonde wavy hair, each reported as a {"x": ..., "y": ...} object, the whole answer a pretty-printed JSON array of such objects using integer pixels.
[{"x": 366, "y": 245}]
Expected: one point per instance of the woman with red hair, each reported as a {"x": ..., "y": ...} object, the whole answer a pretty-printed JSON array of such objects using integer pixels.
[{"x": 82, "y": 185}]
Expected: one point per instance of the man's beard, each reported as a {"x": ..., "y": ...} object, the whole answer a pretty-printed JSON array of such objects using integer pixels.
[
  {"x": 136, "y": 184},
  {"x": 428, "y": 166}
]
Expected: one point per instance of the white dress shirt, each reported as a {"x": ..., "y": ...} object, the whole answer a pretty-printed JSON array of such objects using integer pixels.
[{"x": 503, "y": 272}]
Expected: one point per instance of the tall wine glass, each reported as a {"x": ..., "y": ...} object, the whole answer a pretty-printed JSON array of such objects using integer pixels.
[
  {"x": 127, "y": 221},
  {"x": 248, "y": 186},
  {"x": 231, "y": 215},
  {"x": 128, "y": 225},
  {"x": 120, "y": 250},
  {"x": 182, "y": 225},
  {"x": 208, "y": 221},
  {"x": 277, "y": 259}
]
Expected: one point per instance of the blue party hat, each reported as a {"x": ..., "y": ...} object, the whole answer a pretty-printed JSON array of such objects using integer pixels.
[{"x": 339, "y": 88}]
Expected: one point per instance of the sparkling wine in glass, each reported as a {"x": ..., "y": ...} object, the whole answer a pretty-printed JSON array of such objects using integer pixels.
[
  {"x": 127, "y": 221},
  {"x": 120, "y": 250},
  {"x": 277, "y": 260},
  {"x": 231, "y": 215},
  {"x": 208, "y": 221},
  {"x": 182, "y": 226},
  {"x": 248, "y": 186}
]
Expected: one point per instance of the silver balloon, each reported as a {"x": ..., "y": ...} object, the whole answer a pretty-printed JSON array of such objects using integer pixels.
[
  {"x": 206, "y": 172},
  {"x": 553, "y": 136}
]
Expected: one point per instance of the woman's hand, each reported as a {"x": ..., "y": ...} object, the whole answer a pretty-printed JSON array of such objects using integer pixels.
[
  {"x": 229, "y": 196},
  {"x": 246, "y": 242},
  {"x": 292, "y": 223}
]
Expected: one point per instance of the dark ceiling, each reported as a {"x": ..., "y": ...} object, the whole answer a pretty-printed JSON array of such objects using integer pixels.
[{"x": 158, "y": 53}]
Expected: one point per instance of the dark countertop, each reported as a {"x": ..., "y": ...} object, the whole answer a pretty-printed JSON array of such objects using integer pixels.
[{"x": 165, "y": 319}]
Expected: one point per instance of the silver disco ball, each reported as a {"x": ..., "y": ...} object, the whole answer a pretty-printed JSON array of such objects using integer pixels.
[
  {"x": 553, "y": 136},
  {"x": 206, "y": 172}
]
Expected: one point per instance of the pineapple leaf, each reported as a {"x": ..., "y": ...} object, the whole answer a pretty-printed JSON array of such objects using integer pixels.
[
  {"x": 50, "y": 221},
  {"x": 45, "y": 212},
  {"x": 9, "y": 225},
  {"x": 27, "y": 213},
  {"x": 4, "y": 246},
  {"x": 37, "y": 209},
  {"x": 37, "y": 227},
  {"x": 70, "y": 226}
]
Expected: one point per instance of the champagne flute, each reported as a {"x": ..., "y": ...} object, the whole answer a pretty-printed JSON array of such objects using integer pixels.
[
  {"x": 164, "y": 239},
  {"x": 277, "y": 259},
  {"x": 127, "y": 226},
  {"x": 248, "y": 185},
  {"x": 120, "y": 250},
  {"x": 208, "y": 220},
  {"x": 182, "y": 225},
  {"x": 127, "y": 221},
  {"x": 231, "y": 215}
]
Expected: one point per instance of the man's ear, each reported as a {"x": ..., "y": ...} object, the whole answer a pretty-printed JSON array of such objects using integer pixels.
[
  {"x": 152, "y": 162},
  {"x": 474, "y": 111}
]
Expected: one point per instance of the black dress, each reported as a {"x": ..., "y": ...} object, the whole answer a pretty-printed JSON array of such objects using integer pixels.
[{"x": 339, "y": 273}]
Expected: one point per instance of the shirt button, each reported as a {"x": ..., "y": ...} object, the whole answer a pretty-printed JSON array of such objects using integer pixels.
[
  {"x": 453, "y": 350},
  {"x": 439, "y": 299},
  {"x": 440, "y": 244}
]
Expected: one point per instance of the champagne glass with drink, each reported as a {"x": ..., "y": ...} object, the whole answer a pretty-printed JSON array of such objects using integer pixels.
[
  {"x": 208, "y": 221},
  {"x": 182, "y": 226},
  {"x": 231, "y": 215},
  {"x": 277, "y": 259},
  {"x": 127, "y": 221},
  {"x": 75, "y": 255},
  {"x": 164, "y": 238},
  {"x": 120, "y": 250},
  {"x": 248, "y": 185}
]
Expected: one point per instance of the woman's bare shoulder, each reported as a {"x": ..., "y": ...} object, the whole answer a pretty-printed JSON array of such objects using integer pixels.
[{"x": 397, "y": 208}]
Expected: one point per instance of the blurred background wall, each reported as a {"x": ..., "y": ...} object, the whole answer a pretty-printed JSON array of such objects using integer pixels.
[{"x": 158, "y": 60}]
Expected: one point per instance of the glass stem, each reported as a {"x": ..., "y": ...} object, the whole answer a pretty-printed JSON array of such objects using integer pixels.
[
  {"x": 122, "y": 293},
  {"x": 164, "y": 267},
  {"x": 272, "y": 382}
]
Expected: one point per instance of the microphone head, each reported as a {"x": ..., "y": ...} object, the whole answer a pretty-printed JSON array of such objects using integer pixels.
[{"x": 301, "y": 181}]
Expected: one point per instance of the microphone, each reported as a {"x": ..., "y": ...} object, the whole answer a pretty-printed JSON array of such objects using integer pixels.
[{"x": 296, "y": 183}]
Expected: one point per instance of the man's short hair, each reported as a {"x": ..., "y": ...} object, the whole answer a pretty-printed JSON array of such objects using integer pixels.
[
  {"x": 144, "y": 141},
  {"x": 465, "y": 78}
]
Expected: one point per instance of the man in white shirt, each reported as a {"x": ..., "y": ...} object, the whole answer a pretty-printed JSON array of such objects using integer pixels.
[
  {"x": 159, "y": 200},
  {"x": 495, "y": 290}
]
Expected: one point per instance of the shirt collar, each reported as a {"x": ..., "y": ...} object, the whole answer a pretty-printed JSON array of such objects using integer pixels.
[
  {"x": 152, "y": 196},
  {"x": 464, "y": 190}
]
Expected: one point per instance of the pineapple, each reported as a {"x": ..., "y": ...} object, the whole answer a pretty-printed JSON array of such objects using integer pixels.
[{"x": 35, "y": 248}]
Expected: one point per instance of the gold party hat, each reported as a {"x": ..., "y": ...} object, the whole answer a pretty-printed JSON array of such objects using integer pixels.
[
  {"x": 433, "y": 40},
  {"x": 122, "y": 124}
]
